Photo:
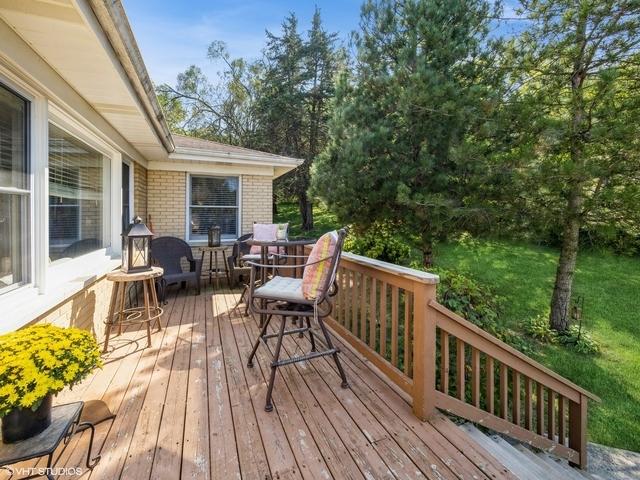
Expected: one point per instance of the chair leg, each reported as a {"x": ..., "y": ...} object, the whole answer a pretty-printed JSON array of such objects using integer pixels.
[
  {"x": 313, "y": 340},
  {"x": 276, "y": 356},
  {"x": 327, "y": 338},
  {"x": 257, "y": 344}
]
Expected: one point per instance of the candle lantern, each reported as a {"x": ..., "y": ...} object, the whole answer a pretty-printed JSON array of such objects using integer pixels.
[
  {"x": 214, "y": 236},
  {"x": 136, "y": 253}
]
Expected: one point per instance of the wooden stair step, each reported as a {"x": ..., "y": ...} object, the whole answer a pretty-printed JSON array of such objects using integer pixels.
[{"x": 516, "y": 462}]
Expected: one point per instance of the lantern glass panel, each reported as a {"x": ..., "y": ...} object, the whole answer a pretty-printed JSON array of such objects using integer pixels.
[{"x": 140, "y": 252}]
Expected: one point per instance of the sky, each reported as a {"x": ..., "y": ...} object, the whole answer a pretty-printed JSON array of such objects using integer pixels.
[{"x": 172, "y": 35}]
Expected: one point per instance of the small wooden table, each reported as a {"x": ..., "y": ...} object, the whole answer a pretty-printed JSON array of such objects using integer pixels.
[
  {"x": 214, "y": 270},
  {"x": 121, "y": 316}
]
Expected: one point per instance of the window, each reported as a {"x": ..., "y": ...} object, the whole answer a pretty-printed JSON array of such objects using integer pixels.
[
  {"x": 14, "y": 190},
  {"x": 213, "y": 201},
  {"x": 78, "y": 181}
]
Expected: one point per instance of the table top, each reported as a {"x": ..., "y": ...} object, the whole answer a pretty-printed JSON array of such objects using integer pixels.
[
  {"x": 219, "y": 247},
  {"x": 281, "y": 243},
  {"x": 120, "y": 276},
  {"x": 44, "y": 443}
]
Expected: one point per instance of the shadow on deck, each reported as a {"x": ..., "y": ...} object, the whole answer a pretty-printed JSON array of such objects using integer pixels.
[{"x": 188, "y": 407}]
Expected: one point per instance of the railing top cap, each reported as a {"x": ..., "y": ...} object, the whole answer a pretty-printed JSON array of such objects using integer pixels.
[{"x": 410, "y": 273}]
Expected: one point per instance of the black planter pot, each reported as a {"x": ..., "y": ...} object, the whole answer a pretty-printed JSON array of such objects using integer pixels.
[{"x": 23, "y": 423}]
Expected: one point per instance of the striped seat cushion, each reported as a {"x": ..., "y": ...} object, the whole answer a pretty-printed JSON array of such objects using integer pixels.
[{"x": 315, "y": 274}]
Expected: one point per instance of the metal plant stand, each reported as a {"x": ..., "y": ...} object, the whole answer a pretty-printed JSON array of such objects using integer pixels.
[{"x": 65, "y": 421}]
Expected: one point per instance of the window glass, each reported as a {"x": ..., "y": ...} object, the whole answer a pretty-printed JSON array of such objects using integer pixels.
[
  {"x": 77, "y": 183},
  {"x": 14, "y": 192},
  {"x": 213, "y": 201}
]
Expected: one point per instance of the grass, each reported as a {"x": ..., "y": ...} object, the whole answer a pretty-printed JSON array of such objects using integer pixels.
[{"x": 523, "y": 274}]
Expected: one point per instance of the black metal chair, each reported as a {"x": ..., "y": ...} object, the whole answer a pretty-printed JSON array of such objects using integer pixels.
[
  {"x": 168, "y": 253},
  {"x": 282, "y": 297},
  {"x": 234, "y": 263}
]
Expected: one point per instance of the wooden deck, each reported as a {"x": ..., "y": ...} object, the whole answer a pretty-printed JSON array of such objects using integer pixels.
[{"x": 188, "y": 407}]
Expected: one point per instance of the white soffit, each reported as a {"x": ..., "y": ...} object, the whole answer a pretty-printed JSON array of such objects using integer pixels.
[{"x": 72, "y": 43}]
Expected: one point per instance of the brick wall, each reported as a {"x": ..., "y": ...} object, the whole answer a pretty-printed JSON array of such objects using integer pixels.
[
  {"x": 257, "y": 198},
  {"x": 166, "y": 196},
  {"x": 87, "y": 309},
  {"x": 140, "y": 191}
]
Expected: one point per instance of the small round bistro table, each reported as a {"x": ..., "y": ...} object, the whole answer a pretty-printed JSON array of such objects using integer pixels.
[
  {"x": 148, "y": 313},
  {"x": 215, "y": 271}
]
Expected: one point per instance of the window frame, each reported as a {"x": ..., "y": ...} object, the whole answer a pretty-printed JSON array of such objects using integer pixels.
[
  {"x": 238, "y": 207},
  {"x": 25, "y": 194}
]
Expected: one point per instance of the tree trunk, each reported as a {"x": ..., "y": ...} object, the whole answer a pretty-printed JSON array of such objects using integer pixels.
[
  {"x": 306, "y": 211},
  {"x": 427, "y": 251},
  {"x": 274, "y": 205},
  {"x": 559, "y": 316}
]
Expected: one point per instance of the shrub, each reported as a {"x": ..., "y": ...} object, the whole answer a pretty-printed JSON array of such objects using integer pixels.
[
  {"x": 469, "y": 299},
  {"x": 540, "y": 329},
  {"x": 40, "y": 360},
  {"x": 579, "y": 340},
  {"x": 381, "y": 241},
  {"x": 575, "y": 336}
]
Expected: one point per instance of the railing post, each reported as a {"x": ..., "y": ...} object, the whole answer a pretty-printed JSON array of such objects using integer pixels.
[
  {"x": 424, "y": 351},
  {"x": 578, "y": 429}
]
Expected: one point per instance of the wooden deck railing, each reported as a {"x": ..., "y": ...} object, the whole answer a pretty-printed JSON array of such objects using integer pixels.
[{"x": 391, "y": 316}]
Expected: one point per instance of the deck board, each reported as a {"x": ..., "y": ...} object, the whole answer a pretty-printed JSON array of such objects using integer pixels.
[{"x": 189, "y": 407}]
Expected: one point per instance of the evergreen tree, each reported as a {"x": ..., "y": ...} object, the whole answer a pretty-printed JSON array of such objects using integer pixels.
[
  {"x": 576, "y": 75},
  {"x": 399, "y": 148}
]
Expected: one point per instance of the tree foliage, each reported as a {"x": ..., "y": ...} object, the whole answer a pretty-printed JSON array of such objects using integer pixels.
[
  {"x": 278, "y": 103},
  {"x": 402, "y": 146},
  {"x": 575, "y": 79}
]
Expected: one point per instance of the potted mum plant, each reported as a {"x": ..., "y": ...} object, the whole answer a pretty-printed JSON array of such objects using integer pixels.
[{"x": 36, "y": 363}]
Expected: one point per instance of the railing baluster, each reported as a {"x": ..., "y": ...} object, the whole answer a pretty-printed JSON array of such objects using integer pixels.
[
  {"x": 578, "y": 429},
  {"x": 491, "y": 387},
  {"x": 460, "y": 361},
  {"x": 444, "y": 361},
  {"x": 363, "y": 307},
  {"x": 394, "y": 325},
  {"x": 340, "y": 303},
  {"x": 408, "y": 341},
  {"x": 528, "y": 404},
  {"x": 373, "y": 316},
  {"x": 475, "y": 377},
  {"x": 562, "y": 438},
  {"x": 347, "y": 297},
  {"x": 515, "y": 391},
  {"x": 504, "y": 392},
  {"x": 383, "y": 320},
  {"x": 551, "y": 415},
  {"x": 539, "y": 408},
  {"x": 354, "y": 303}
]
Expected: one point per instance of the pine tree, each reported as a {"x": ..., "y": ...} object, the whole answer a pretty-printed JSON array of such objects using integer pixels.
[
  {"x": 576, "y": 69},
  {"x": 399, "y": 149}
]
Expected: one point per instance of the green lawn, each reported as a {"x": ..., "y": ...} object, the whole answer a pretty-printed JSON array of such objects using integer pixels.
[{"x": 522, "y": 275}]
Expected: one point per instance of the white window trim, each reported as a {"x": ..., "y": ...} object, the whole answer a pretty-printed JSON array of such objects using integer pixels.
[
  {"x": 132, "y": 207},
  {"x": 187, "y": 233},
  {"x": 49, "y": 285}
]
